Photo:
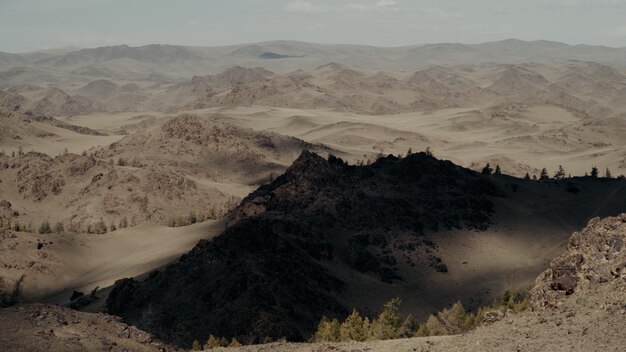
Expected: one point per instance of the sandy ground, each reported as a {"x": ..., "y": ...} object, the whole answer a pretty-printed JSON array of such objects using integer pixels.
[
  {"x": 463, "y": 135},
  {"x": 83, "y": 262}
]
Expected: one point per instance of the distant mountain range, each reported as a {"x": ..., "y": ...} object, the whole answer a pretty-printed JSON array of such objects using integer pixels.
[{"x": 285, "y": 56}]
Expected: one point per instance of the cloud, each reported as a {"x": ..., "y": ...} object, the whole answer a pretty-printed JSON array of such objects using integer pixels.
[{"x": 300, "y": 6}]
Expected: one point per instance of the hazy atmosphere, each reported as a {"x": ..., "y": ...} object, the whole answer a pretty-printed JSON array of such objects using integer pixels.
[
  {"x": 29, "y": 25},
  {"x": 312, "y": 176}
]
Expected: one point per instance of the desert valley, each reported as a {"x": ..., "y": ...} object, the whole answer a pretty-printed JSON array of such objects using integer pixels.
[{"x": 154, "y": 196}]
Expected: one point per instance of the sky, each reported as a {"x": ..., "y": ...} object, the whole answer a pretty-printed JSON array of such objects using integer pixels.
[{"x": 28, "y": 25}]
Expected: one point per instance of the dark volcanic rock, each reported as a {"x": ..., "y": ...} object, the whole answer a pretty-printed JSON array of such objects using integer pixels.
[{"x": 282, "y": 262}]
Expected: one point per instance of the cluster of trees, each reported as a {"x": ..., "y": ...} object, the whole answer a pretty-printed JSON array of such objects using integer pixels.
[
  {"x": 214, "y": 342},
  {"x": 559, "y": 175},
  {"x": 193, "y": 217},
  {"x": 20, "y": 152},
  {"x": 391, "y": 324},
  {"x": 46, "y": 227}
]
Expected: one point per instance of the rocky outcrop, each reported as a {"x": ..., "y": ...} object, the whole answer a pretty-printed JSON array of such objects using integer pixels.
[
  {"x": 40, "y": 327},
  {"x": 293, "y": 245},
  {"x": 596, "y": 256}
]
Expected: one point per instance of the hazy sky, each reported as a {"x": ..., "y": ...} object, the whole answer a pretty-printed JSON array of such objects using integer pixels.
[{"x": 29, "y": 24}]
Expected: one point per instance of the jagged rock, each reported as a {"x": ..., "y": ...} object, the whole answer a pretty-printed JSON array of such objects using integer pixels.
[
  {"x": 280, "y": 264},
  {"x": 493, "y": 316},
  {"x": 594, "y": 256}
]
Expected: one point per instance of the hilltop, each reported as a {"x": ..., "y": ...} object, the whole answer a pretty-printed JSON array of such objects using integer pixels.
[{"x": 320, "y": 236}]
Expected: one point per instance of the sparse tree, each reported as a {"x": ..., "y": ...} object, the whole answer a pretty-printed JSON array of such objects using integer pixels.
[
  {"x": 607, "y": 173},
  {"x": 223, "y": 342},
  {"x": 192, "y": 218},
  {"x": 527, "y": 176},
  {"x": 100, "y": 227},
  {"x": 594, "y": 172},
  {"x": 560, "y": 173},
  {"x": 432, "y": 327},
  {"x": 212, "y": 342},
  {"x": 45, "y": 227},
  {"x": 327, "y": 331},
  {"x": 497, "y": 171},
  {"x": 534, "y": 177},
  {"x": 454, "y": 319},
  {"x": 234, "y": 343},
  {"x": 487, "y": 170},
  {"x": 544, "y": 174},
  {"x": 353, "y": 328},
  {"x": 123, "y": 223},
  {"x": 389, "y": 321}
]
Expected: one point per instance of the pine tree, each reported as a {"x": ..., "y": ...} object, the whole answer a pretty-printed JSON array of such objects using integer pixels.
[
  {"x": 607, "y": 173},
  {"x": 544, "y": 174},
  {"x": 454, "y": 318},
  {"x": 498, "y": 171},
  {"x": 353, "y": 328},
  {"x": 527, "y": 176},
  {"x": 560, "y": 173},
  {"x": 432, "y": 327},
  {"x": 234, "y": 343},
  {"x": 195, "y": 346},
  {"x": 389, "y": 321},
  {"x": 327, "y": 331},
  {"x": 223, "y": 342},
  {"x": 45, "y": 228},
  {"x": 487, "y": 170},
  {"x": 594, "y": 172},
  {"x": 212, "y": 342}
]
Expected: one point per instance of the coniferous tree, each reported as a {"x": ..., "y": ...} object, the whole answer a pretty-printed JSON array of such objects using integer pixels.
[
  {"x": 212, "y": 342},
  {"x": 45, "y": 228},
  {"x": 497, "y": 171},
  {"x": 527, "y": 176},
  {"x": 487, "y": 170},
  {"x": 544, "y": 174},
  {"x": 223, "y": 342},
  {"x": 195, "y": 346},
  {"x": 560, "y": 173},
  {"x": 353, "y": 328},
  {"x": 387, "y": 325},
  {"x": 607, "y": 173},
  {"x": 594, "y": 172},
  {"x": 454, "y": 318}
]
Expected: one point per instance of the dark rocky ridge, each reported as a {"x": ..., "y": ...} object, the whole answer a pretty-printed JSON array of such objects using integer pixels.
[{"x": 281, "y": 264}]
